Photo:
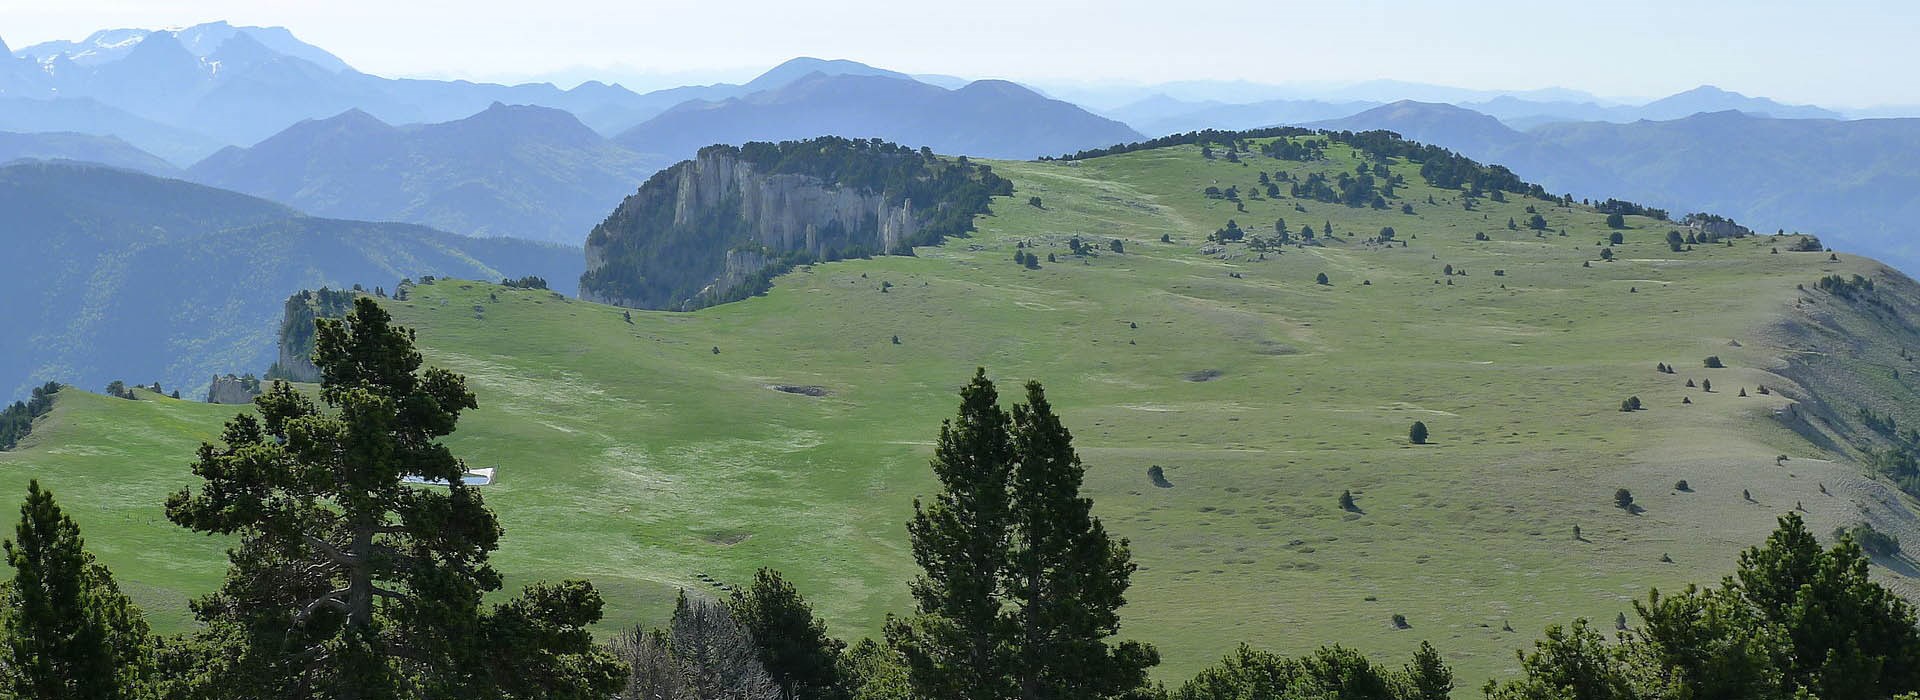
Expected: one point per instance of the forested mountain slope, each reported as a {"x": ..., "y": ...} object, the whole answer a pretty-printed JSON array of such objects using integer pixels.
[
  {"x": 114, "y": 274},
  {"x": 520, "y": 171}
]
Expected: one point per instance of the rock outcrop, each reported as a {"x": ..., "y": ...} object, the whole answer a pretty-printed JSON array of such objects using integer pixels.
[
  {"x": 718, "y": 228},
  {"x": 229, "y": 389},
  {"x": 295, "y": 361}
]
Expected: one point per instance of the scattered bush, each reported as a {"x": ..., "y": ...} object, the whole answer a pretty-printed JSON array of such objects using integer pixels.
[
  {"x": 1346, "y": 502},
  {"x": 1713, "y": 362},
  {"x": 1623, "y": 499},
  {"x": 1321, "y": 279},
  {"x": 1159, "y": 477},
  {"x": 1417, "y": 434},
  {"x": 1681, "y": 486},
  {"x": 1875, "y": 542}
]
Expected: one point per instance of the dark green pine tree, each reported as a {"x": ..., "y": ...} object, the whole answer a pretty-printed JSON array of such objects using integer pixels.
[
  {"x": 956, "y": 646},
  {"x": 793, "y": 644},
  {"x": 1067, "y": 577},
  {"x": 349, "y": 583},
  {"x": 1848, "y": 636},
  {"x": 69, "y": 632},
  {"x": 1710, "y": 642},
  {"x": 1428, "y": 675}
]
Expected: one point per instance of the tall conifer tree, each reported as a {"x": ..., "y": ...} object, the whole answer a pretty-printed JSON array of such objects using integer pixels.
[
  {"x": 70, "y": 633},
  {"x": 793, "y": 644},
  {"x": 348, "y": 582},
  {"x": 956, "y": 648},
  {"x": 1067, "y": 577}
]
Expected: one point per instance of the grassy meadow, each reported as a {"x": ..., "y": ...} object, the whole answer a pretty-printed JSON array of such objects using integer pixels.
[{"x": 643, "y": 455}]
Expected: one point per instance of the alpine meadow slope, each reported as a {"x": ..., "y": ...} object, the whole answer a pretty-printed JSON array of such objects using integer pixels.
[{"x": 1224, "y": 398}]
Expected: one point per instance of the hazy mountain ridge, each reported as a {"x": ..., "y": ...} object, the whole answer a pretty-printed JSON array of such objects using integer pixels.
[
  {"x": 122, "y": 275},
  {"x": 105, "y": 150},
  {"x": 238, "y": 85},
  {"x": 992, "y": 119},
  {"x": 1162, "y": 113},
  {"x": 522, "y": 171},
  {"x": 1848, "y": 181}
]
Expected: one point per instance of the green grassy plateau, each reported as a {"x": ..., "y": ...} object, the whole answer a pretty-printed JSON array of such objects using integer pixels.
[{"x": 636, "y": 456}]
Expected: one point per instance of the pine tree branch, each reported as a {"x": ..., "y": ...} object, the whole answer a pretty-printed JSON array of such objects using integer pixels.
[{"x": 332, "y": 552}]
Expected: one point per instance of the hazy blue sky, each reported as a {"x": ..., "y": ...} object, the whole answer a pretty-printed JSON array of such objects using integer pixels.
[{"x": 1839, "y": 52}]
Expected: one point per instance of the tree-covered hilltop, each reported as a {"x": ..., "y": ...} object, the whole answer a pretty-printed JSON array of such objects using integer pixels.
[
  {"x": 17, "y": 420},
  {"x": 718, "y": 228},
  {"x": 1441, "y": 167}
]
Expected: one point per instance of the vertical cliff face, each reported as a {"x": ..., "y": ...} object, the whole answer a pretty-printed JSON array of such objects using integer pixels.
[
  {"x": 295, "y": 361},
  {"x": 719, "y": 227},
  {"x": 229, "y": 389},
  {"x": 789, "y": 212}
]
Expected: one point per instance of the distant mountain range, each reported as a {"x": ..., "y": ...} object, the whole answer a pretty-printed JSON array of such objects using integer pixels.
[
  {"x": 112, "y": 274},
  {"x": 105, "y": 150},
  {"x": 1161, "y": 113},
  {"x": 1851, "y": 182},
  {"x": 988, "y": 118},
  {"x": 539, "y": 173},
  {"x": 527, "y": 172},
  {"x": 185, "y": 93},
  {"x": 257, "y": 110}
]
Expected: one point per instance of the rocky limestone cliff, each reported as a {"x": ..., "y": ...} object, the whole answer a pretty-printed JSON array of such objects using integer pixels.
[
  {"x": 789, "y": 212},
  {"x": 229, "y": 389},
  {"x": 717, "y": 228},
  {"x": 295, "y": 361},
  {"x": 295, "y": 364}
]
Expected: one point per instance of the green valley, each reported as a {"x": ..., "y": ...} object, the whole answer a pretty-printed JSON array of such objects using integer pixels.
[{"x": 650, "y": 451}]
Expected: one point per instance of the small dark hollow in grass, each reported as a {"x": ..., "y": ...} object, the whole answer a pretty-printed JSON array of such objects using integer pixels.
[
  {"x": 802, "y": 390},
  {"x": 1203, "y": 375},
  {"x": 727, "y": 538},
  {"x": 1268, "y": 347},
  {"x": 1159, "y": 477}
]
